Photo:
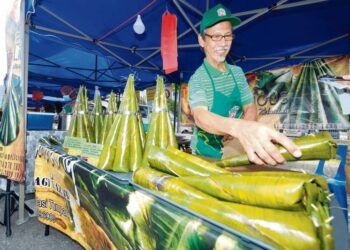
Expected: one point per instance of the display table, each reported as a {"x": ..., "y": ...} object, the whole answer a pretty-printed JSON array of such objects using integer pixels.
[{"x": 105, "y": 210}]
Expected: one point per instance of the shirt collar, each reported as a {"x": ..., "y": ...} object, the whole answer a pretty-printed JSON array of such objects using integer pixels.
[{"x": 214, "y": 72}]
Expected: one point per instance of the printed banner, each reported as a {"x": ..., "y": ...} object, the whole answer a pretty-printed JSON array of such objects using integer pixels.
[
  {"x": 101, "y": 210},
  {"x": 304, "y": 96},
  {"x": 186, "y": 118},
  {"x": 12, "y": 128}
]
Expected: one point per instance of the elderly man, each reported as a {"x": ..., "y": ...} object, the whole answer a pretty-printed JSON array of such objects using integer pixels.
[{"x": 221, "y": 101}]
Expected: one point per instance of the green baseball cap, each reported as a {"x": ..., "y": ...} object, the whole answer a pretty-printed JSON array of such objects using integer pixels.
[{"x": 217, "y": 14}]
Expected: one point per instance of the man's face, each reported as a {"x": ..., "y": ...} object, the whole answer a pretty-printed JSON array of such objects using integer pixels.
[{"x": 216, "y": 51}]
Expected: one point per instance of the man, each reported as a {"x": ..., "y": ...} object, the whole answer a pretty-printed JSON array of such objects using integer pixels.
[{"x": 219, "y": 95}]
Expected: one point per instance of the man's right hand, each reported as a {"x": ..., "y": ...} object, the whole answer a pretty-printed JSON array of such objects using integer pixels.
[{"x": 258, "y": 142}]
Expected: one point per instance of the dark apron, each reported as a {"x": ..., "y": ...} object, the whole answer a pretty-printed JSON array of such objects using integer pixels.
[{"x": 227, "y": 106}]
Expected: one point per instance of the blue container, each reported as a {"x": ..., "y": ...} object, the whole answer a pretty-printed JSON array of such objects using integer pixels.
[{"x": 39, "y": 121}]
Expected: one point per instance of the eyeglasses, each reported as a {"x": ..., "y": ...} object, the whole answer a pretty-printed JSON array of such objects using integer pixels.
[{"x": 217, "y": 37}]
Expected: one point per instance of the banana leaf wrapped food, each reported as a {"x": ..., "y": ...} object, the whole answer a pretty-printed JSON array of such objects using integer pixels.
[
  {"x": 109, "y": 147},
  {"x": 109, "y": 116},
  {"x": 279, "y": 228},
  {"x": 292, "y": 229},
  {"x": 319, "y": 146},
  {"x": 178, "y": 164},
  {"x": 275, "y": 191},
  {"x": 160, "y": 132},
  {"x": 141, "y": 129},
  {"x": 80, "y": 125},
  {"x": 97, "y": 119},
  {"x": 122, "y": 151},
  {"x": 222, "y": 213},
  {"x": 158, "y": 181},
  {"x": 321, "y": 217}
]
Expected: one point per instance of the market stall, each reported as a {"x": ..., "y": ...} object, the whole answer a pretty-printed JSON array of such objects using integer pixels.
[{"x": 77, "y": 188}]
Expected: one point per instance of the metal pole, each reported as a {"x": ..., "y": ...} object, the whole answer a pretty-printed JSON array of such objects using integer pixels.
[
  {"x": 185, "y": 16},
  {"x": 175, "y": 106},
  {"x": 25, "y": 58}
]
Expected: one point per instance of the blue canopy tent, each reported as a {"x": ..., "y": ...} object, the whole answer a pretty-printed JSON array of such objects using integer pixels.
[{"x": 73, "y": 42}]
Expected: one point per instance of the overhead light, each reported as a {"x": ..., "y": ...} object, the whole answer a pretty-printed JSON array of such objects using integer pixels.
[{"x": 138, "y": 26}]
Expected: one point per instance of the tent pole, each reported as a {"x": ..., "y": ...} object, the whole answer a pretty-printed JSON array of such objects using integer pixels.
[
  {"x": 284, "y": 6},
  {"x": 84, "y": 35},
  {"x": 195, "y": 10},
  {"x": 24, "y": 72},
  {"x": 114, "y": 54},
  {"x": 263, "y": 12},
  {"x": 64, "y": 21},
  {"x": 185, "y": 16},
  {"x": 184, "y": 46},
  {"x": 174, "y": 126},
  {"x": 151, "y": 63},
  {"x": 38, "y": 27}
]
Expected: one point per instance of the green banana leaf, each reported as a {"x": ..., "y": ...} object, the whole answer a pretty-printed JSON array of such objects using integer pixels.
[
  {"x": 319, "y": 146},
  {"x": 135, "y": 147},
  {"x": 122, "y": 153},
  {"x": 321, "y": 217},
  {"x": 172, "y": 142},
  {"x": 160, "y": 132},
  {"x": 162, "y": 135},
  {"x": 97, "y": 120},
  {"x": 81, "y": 125},
  {"x": 176, "y": 231},
  {"x": 122, "y": 229},
  {"x": 150, "y": 138},
  {"x": 135, "y": 160},
  {"x": 178, "y": 164},
  {"x": 220, "y": 212},
  {"x": 10, "y": 119},
  {"x": 109, "y": 116},
  {"x": 289, "y": 193},
  {"x": 141, "y": 129},
  {"x": 139, "y": 209},
  {"x": 294, "y": 230},
  {"x": 109, "y": 147},
  {"x": 159, "y": 181},
  {"x": 198, "y": 162},
  {"x": 113, "y": 200}
]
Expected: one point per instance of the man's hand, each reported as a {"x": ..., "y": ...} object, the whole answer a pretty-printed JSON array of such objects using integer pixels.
[{"x": 257, "y": 140}]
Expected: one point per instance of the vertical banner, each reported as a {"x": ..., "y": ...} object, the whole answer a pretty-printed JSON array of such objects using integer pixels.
[
  {"x": 169, "y": 42},
  {"x": 12, "y": 127}
]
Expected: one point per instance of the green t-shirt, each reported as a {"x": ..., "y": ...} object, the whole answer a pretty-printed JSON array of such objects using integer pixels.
[{"x": 201, "y": 91}]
